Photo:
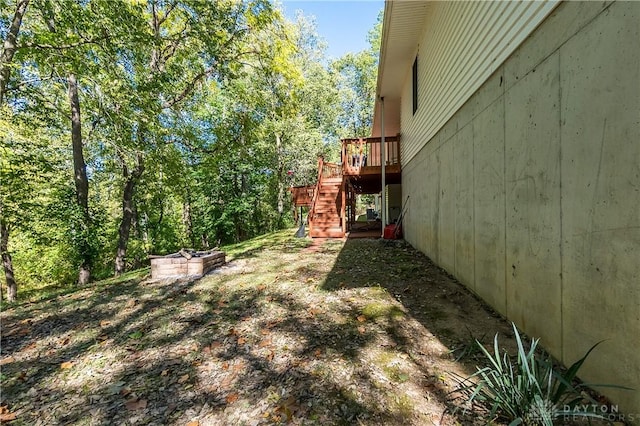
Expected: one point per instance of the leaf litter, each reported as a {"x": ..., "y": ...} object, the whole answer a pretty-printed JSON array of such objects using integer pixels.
[{"x": 350, "y": 332}]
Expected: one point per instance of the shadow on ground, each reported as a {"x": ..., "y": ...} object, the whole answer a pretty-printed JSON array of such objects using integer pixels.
[{"x": 355, "y": 332}]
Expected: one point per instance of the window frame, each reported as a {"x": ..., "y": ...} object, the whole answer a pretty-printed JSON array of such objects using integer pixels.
[{"x": 414, "y": 83}]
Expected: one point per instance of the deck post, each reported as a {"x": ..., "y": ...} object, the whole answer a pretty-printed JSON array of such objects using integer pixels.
[
  {"x": 343, "y": 209},
  {"x": 383, "y": 161}
]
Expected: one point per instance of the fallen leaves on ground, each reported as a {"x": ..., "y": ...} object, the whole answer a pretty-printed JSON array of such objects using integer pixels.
[
  {"x": 278, "y": 335},
  {"x": 7, "y": 360},
  {"x": 6, "y": 415},
  {"x": 136, "y": 404}
]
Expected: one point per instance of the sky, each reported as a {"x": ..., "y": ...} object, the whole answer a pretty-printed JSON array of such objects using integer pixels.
[{"x": 343, "y": 24}]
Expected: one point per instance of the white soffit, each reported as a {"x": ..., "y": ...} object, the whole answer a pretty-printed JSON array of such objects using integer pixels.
[{"x": 402, "y": 28}]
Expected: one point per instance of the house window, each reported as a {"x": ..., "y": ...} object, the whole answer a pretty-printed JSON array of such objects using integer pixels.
[{"x": 414, "y": 75}]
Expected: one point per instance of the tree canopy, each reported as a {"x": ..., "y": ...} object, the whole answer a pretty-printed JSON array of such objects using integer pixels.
[{"x": 133, "y": 127}]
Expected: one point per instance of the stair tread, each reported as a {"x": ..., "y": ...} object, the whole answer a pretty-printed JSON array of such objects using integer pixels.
[
  {"x": 327, "y": 234},
  {"x": 326, "y": 221}
]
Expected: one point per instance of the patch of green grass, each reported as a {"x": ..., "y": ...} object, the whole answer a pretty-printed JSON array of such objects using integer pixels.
[
  {"x": 379, "y": 291},
  {"x": 361, "y": 218},
  {"x": 279, "y": 240},
  {"x": 283, "y": 240},
  {"x": 136, "y": 335},
  {"x": 33, "y": 294},
  {"x": 385, "y": 358},
  {"x": 42, "y": 292},
  {"x": 137, "y": 275},
  {"x": 389, "y": 365},
  {"x": 396, "y": 374},
  {"x": 403, "y": 405},
  {"x": 377, "y": 310}
]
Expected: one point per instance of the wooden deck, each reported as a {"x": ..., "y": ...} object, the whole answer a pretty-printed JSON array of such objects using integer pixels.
[
  {"x": 332, "y": 199},
  {"x": 364, "y": 155},
  {"x": 362, "y": 163}
]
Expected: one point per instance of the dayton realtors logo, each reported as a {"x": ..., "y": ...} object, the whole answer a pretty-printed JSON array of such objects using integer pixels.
[
  {"x": 585, "y": 412},
  {"x": 545, "y": 412}
]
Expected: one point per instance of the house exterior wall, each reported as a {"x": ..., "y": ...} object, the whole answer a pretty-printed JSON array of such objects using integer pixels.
[
  {"x": 394, "y": 202},
  {"x": 391, "y": 119},
  {"x": 530, "y": 193},
  {"x": 462, "y": 44}
]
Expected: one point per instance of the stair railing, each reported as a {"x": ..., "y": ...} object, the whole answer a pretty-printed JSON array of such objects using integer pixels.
[
  {"x": 331, "y": 170},
  {"x": 325, "y": 170}
]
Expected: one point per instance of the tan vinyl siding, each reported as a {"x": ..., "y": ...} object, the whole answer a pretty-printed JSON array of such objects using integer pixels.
[{"x": 462, "y": 44}]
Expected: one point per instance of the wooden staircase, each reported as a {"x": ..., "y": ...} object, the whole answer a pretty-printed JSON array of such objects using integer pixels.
[
  {"x": 332, "y": 201},
  {"x": 327, "y": 215}
]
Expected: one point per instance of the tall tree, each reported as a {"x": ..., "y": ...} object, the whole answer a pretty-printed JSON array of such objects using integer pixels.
[
  {"x": 356, "y": 75},
  {"x": 9, "y": 47},
  {"x": 294, "y": 94},
  {"x": 69, "y": 43},
  {"x": 183, "y": 55},
  {"x": 7, "y": 263},
  {"x": 80, "y": 179},
  {"x": 176, "y": 134},
  {"x": 25, "y": 179}
]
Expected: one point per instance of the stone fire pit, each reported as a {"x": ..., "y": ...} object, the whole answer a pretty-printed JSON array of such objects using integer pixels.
[{"x": 186, "y": 263}]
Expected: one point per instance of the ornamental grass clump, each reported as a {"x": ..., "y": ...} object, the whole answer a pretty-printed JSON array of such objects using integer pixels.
[{"x": 525, "y": 389}]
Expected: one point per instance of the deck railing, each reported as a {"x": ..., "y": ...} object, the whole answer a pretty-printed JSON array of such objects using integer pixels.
[
  {"x": 331, "y": 170},
  {"x": 366, "y": 152},
  {"x": 325, "y": 170},
  {"x": 302, "y": 195}
]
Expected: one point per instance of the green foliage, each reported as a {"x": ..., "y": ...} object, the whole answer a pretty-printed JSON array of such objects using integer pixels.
[
  {"x": 525, "y": 390},
  {"x": 43, "y": 266},
  {"x": 221, "y": 106},
  {"x": 356, "y": 77},
  {"x": 470, "y": 349}
]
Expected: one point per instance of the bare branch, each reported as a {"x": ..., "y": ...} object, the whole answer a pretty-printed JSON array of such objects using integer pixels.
[
  {"x": 166, "y": 15},
  {"x": 189, "y": 88}
]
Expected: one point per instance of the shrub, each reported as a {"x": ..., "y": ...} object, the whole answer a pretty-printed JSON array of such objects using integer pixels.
[{"x": 526, "y": 389}]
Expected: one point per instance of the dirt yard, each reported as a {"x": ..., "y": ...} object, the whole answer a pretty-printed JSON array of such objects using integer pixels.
[{"x": 290, "y": 331}]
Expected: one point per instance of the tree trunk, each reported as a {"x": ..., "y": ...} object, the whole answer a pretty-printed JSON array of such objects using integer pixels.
[
  {"x": 9, "y": 47},
  {"x": 7, "y": 263},
  {"x": 79, "y": 166},
  {"x": 145, "y": 233},
  {"x": 8, "y": 50},
  {"x": 131, "y": 180},
  {"x": 80, "y": 179},
  {"x": 187, "y": 220},
  {"x": 281, "y": 189}
]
